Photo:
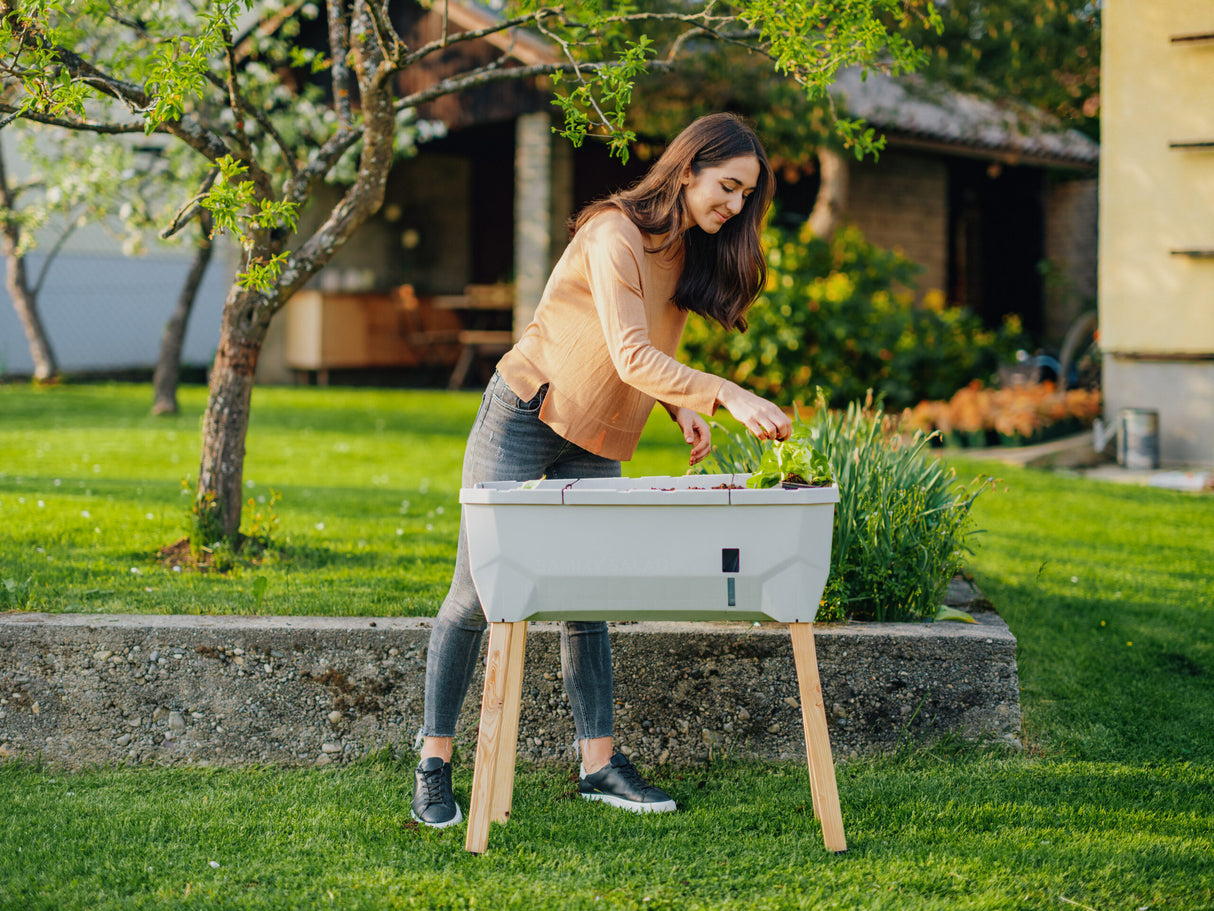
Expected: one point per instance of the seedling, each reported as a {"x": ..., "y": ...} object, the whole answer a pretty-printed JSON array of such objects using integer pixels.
[{"x": 794, "y": 461}]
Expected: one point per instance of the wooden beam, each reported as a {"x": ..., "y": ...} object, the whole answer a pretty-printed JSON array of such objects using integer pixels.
[
  {"x": 817, "y": 739},
  {"x": 493, "y": 717}
]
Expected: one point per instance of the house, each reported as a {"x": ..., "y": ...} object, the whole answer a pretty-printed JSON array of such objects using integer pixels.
[
  {"x": 982, "y": 194},
  {"x": 1157, "y": 220}
]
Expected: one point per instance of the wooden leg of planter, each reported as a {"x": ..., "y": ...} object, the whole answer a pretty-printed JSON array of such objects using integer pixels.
[
  {"x": 484, "y": 775},
  {"x": 507, "y": 748},
  {"x": 817, "y": 738}
]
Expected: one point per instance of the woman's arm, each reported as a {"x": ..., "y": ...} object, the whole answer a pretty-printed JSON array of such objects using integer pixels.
[
  {"x": 614, "y": 253},
  {"x": 759, "y": 416}
]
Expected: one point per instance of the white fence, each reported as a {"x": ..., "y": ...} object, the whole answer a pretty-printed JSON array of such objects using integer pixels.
[{"x": 107, "y": 312}]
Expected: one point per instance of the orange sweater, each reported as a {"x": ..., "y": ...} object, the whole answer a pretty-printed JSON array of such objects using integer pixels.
[{"x": 603, "y": 339}]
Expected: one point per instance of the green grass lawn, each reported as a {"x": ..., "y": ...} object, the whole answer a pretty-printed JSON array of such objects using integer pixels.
[
  {"x": 1107, "y": 589},
  {"x": 91, "y": 487}
]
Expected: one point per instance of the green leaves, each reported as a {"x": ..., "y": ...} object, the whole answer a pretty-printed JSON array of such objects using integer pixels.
[
  {"x": 233, "y": 203},
  {"x": 608, "y": 96},
  {"x": 842, "y": 316},
  {"x": 944, "y": 612},
  {"x": 792, "y": 461},
  {"x": 1044, "y": 52}
]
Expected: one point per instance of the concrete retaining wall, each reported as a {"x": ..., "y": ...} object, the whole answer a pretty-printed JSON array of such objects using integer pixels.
[{"x": 79, "y": 690}]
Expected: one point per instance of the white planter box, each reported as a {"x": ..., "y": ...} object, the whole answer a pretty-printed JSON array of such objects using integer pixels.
[{"x": 659, "y": 548}]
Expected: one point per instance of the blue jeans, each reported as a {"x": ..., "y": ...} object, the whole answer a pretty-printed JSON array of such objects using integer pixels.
[{"x": 509, "y": 442}]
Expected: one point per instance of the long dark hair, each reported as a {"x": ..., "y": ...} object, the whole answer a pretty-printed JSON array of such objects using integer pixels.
[{"x": 723, "y": 273}]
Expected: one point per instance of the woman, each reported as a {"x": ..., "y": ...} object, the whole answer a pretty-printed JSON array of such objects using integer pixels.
[{"x": 572, "y": 396}]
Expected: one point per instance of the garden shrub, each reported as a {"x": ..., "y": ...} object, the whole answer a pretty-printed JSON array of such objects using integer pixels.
[
  {"x": 902, "y": 521},
  {"x": 841, "y": 316}
]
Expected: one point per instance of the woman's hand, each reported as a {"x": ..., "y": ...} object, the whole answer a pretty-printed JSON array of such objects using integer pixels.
[
  {"x": 696, "y": 432},
  {"x": 759, "y": 416}
]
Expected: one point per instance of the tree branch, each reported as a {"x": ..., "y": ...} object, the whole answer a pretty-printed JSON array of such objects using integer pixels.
[
  {"x": 475, "y": 34},
  {"x": 234, "y": 102},
  {"x": 365, "y": 195},
  {"x": 81, "y": 126},
  {"x": 492, "y": 73},
  {"x": 202, "y": 140},
  {"x": 187, "y": 212},
  {"x": 56, "y": 247},
  {"x": 339, "y": 44},
  {"x": 390, "y": 42},
  {"x": 320, "y": 163},
  {"x": 237, "y": 104},
  {"x": 263, "y": 121},
  {"x": 128, "y": 93}
]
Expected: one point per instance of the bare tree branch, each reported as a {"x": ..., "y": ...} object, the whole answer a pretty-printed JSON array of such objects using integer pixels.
[
  {"x": 234, "y": 103},
  {"x": 54, "y": 251},
  {"x": 263, "y": 121},
  {"x": 187, "y": 212},
  {"x": 389, "y": 40},
  {"x": 339, "y": 43},
  {"x": 475, "y": 34},
  {"x": 320, "y": 163},
  {"x": 83, "y": 126},
  {"x": 492, "y": 73}
]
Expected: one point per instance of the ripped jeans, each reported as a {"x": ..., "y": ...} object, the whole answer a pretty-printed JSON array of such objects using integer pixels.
[{"x": 509, "y": 442}]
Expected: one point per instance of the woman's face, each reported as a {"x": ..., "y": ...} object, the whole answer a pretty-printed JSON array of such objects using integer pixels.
[{"x": 719, "y": 191}]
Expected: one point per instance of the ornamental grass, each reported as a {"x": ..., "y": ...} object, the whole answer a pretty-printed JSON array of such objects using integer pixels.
[{"x": 902, "y": 522}]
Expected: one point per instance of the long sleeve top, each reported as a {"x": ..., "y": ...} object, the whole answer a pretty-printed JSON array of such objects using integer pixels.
[{"x": 603, "y": 339}]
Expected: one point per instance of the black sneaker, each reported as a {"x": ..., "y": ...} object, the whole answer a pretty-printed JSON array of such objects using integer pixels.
[
  {"x": 621, "y": 785},
  {"x": 433, "y": 800}
]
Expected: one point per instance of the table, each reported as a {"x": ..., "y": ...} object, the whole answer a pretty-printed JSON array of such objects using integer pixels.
[{"x": 479, "y": 308}]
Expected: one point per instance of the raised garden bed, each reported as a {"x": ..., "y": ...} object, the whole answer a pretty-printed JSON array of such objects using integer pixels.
[{"x": 701, "y": 547}]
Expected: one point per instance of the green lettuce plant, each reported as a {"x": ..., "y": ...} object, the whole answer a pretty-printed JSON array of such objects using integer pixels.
[{"x": 794, "y": 461}]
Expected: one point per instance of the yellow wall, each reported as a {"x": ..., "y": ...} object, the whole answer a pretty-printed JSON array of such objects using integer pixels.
[{"x": 1154, "y": 199}]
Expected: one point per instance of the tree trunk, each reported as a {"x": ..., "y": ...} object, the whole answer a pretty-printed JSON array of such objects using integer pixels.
[
  {"x": 17, "y": 282},
  {"x": 831, "y": 203},
  {"x": 168, "y": 365},
  {"x": 217, "y": 503},
  {"x": 45, "y": 366},
  {"x": 247, "y": 314}
]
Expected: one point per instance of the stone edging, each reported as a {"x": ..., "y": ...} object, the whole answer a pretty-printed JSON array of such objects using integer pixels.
[{"x": 79, "y": 690}]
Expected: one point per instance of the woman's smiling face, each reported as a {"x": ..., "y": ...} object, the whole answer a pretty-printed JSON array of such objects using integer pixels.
[{"x": 718, "y": 192}]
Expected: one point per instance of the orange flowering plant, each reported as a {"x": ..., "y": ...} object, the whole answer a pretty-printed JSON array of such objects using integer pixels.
[{"x": 977, "y": 415}]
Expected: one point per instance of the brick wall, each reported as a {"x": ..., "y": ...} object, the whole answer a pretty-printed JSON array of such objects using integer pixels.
[{"x": 901, "y": 202}]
